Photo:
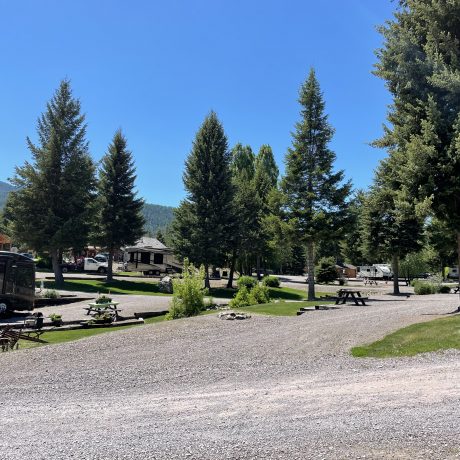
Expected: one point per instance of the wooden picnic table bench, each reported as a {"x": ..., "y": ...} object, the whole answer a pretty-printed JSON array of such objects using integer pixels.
[
  {"x": 101, "y": 308},
  {"x": 352, "y": 294},
  {"x": 9, "y": 338},
  {"x": 370, "y": 281}
]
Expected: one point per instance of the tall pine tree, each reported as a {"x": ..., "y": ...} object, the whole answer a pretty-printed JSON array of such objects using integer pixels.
[
  {"x": 49, "y": 212},
  {"x": 316, "y": 196},
  {"x": 204, "y": 220},
  {"x": 119, "y": 220},
  {"x": 420, "y": 63}
]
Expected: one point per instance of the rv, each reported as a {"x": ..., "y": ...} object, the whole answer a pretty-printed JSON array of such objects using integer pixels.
[
  {"x": 151, "y": 257},
  {"x": 17, "y": 282},
  {"x": 375, "y": 271}
]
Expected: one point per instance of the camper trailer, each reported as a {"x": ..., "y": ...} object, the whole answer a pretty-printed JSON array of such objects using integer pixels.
[
  {"x": 151, "y": 257},
  {"x": 17, "y": 282},
  {"x": 375, "y": 271}
]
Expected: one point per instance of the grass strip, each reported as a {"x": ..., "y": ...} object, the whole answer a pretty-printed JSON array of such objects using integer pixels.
[
  {"x": 283, "y": 293},
  {"x": 439, "y": 334},
  {"x": 280, "y": 308},
  {"x": 102, "y": 287},
  {"x": 77, "y": 334}
]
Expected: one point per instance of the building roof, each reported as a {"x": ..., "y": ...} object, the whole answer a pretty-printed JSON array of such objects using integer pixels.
[{"x": 147, "y": 243}]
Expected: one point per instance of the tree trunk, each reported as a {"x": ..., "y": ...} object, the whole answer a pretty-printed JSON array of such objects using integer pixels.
[
  {"x": 395, "y": 267},
  {"x": 232, "y": 271},
  {"x": 311, "y": 270},
  {"x": 207, "y": 284},
  {"x": 110, "y": 266},
  {"x": 58, "y": 277},
  {"x": 458, "y": 262},
  {"x": 258, "y": 267}
]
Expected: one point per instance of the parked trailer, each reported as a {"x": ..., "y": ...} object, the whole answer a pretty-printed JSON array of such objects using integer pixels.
[
  {"x": 375, "y": 271},
  {"x": 17, "y": 282}
]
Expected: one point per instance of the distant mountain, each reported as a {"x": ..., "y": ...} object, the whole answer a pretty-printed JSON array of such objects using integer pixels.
[
  {"x": 4, "y": 190},
  {"x": 156, "y": 216}
]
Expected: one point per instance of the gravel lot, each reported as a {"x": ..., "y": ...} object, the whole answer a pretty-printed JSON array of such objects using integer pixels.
[{"x": 263, "y": 388}]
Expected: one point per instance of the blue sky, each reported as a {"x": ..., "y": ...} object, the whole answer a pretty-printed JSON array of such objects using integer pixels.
[{"x": 156, "y": 69}]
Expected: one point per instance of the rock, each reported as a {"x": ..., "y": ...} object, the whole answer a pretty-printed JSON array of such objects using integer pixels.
[{"x": 166, "y": 285}]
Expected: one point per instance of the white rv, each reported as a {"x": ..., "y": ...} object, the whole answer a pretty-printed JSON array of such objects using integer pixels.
[
  {"x": 375, "y": 271},
  {"x": 151, "y": 257}
]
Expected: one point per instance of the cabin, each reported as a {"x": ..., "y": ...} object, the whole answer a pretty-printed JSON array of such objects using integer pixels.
[
  {"x": 151, "y": 257},
  {"x": 346, "y": 270}
]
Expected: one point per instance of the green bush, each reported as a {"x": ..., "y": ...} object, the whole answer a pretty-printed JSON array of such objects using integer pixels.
[
  {"x": 259, "y": 294},
  {"x": 103, "y": 299},
  {"x": 188, "y": 296},
  {"x": 421, "y": 288},
  {"x": 271, "y": 281},
  {"x": 326, "y": 272},
  {"x": 51, "y": 294},
  {"x": 43, "y": 262},
  {"x": 241, "y": 299},
  {"x": 247, "y": 281},
  {"x": 443, "y": 289}
]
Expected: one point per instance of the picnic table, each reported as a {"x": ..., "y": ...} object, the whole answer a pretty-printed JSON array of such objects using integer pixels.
[
  {"x": 370, "y": 281},
  {"x": 352, "y": 294},
  {"x": 9, "y": 337},
  {"x": 101, "y": 308}
]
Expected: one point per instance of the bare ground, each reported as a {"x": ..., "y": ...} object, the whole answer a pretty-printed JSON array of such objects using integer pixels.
[{"x": 262, "y": 388}]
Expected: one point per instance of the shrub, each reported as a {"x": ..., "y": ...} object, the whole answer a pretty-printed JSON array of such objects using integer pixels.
[
  {"x": 241, "y": 299},
  {"x": 43, "y": 262},
  {"x": 271, "y": 281},
  {"x": 259, "y": 294},
  {"x": 443, "y": 289},
  {"x": 247, "y": 281},
  {"x": 55, "y": 317},
  {"x": 326, "y": 272},
  {"x": 188, "y": 296},
  {"x": 342, "y": 281},
  {"x": 103, "y": 299},
  {"x": 51, "y": 294},
  {"x": 425, "y": 288}
]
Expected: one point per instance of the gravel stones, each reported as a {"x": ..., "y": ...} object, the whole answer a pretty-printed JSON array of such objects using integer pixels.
[{"x": 269, "y": 388}]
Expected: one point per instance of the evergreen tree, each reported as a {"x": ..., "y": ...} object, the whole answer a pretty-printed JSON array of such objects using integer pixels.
[
  {"x": 420, "y": 62},
  {"x": 316, "y": 196},
  {"x": 49, "y": 212},
  {"x": 119, "y": 219},
  {"x": 391, "y": 229},
  {"x": 352, "y": 244},
  {"x": 203, "y": 222},
  {"x": 245, "y": 210},
  {"x": 266, "y": 170}
]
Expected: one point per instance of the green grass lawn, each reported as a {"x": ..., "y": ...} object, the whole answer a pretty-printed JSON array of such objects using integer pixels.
[
  {"x": 102, "y": 287},
  {"x": 279, "y": 308},
  {"x": 77, "y": 334},
  {"x": 283, "y": 293},
  {"x": 439, "y": 334}
]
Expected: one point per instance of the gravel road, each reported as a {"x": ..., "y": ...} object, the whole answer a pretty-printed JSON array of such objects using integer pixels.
[{"x": 263, "y": 388}]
